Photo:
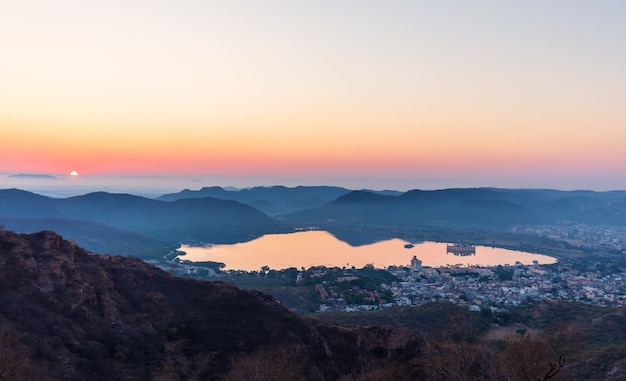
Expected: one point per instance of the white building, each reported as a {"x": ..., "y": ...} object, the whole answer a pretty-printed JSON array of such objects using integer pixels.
[{"x": 416, "y": 266}]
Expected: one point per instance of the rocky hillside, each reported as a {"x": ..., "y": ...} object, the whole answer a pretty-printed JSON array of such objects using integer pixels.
[{"x": 70, "y": 314}]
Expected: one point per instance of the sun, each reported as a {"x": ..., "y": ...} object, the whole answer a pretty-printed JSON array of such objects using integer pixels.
[{"x": 73, "y": 173}]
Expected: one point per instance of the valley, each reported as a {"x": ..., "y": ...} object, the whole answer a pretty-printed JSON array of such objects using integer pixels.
[{"x": 405, "y": 319}]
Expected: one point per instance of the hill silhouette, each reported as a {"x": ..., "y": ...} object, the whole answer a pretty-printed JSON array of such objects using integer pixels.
[
  {"x": 274, "y": 200},
  {"x": 123, "y": 223},
  {"x": 203, "y": 219},
  {"x": 472, "y": 206},
  {"x": 271, "y": 200},
  {"x": 94, "y": 236},
  {"x": 33, "y": 176}
]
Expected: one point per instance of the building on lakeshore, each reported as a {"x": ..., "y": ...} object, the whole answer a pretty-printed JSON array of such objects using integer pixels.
[
  {"x": 461, "y": 250},
  {"x": 416, "y": 266}
]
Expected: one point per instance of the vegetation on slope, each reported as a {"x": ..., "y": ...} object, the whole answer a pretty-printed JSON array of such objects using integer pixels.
[{"x": 71, "y": 315}]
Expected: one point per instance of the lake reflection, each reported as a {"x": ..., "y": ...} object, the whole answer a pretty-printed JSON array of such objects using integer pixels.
[{"x": 313, "y": 248}]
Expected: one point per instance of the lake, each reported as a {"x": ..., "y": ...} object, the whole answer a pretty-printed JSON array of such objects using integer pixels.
[{"x": 314, "y": 248}]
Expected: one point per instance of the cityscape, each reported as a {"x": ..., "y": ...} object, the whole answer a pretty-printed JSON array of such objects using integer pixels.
[
  {"x": 596, "y": 279},
  {"x": 479, "y": 288},
  {"x": 600, "y": 239}
]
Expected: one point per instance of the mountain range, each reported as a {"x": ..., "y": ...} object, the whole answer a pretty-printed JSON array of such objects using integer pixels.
[
  {"x": 487, "y": 207},
  {"x": 273, "y": 200},
  {"x": 144, "y": 227},
  {"x": 94, "y": 217}
]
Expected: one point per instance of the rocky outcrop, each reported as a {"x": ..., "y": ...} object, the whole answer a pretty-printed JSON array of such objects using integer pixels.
[{"x": 100, "y": 317}]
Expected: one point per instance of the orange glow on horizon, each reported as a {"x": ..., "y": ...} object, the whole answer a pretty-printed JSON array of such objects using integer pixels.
[
  {"x": 211, "y": 88},
  {"x": 284, "y": 150}
]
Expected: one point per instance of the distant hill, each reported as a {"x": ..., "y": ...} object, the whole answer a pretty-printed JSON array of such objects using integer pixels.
[
  {"x": 271, "y": 200},
  {"x": 472, "y": 206},
  {"x": 203, "y": 219},
  {"x": 33, "y": 176},
  {"x": 94, "y": 236},
  {"x": 274, "y": 200},
  {"x": 386, "y": 192}
]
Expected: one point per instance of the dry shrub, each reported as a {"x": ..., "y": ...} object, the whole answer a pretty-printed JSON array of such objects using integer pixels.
[
  {"x": 15, "y": 361},
  {"x": 381, "y": 373},
  {"x": 182, "y": 368},
  {"x": 272, "y": 363},
  {"x": 539, "y": 357},
  {"x": 446, "y": 360}
]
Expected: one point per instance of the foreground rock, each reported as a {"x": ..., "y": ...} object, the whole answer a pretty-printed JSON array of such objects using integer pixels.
[{"x": 72, "y": 315}]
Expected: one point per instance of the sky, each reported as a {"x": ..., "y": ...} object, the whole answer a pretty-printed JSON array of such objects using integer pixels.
[{"x": 363, "y": 94}]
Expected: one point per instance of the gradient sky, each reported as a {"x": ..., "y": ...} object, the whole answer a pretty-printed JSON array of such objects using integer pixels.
[{"x": 378, "y": 94}]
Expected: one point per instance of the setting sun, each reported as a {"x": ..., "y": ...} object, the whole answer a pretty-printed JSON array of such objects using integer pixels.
[
  {"x": 73, "y": 173},
  {"x": 362, "y": 95}
]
